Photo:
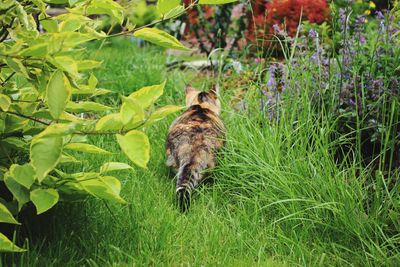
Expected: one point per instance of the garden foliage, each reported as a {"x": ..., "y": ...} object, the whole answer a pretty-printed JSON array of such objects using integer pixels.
[
  {"x": 356, "y": 81},
  {"x": 48, "y": 104}
]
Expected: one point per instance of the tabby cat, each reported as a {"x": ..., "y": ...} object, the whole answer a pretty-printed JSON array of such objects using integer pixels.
[{"x": 193, "y": 140}]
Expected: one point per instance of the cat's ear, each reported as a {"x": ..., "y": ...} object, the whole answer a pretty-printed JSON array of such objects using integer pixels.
[
  {"x": 189, "y": 89},
  {"x": 215, "y": 90}
]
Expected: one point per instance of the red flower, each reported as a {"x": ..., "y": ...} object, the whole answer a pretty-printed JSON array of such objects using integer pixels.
[{"x": 286, "y": 14}]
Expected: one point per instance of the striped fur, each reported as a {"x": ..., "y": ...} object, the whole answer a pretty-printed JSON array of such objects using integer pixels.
[{"x": 193, "y": 140}]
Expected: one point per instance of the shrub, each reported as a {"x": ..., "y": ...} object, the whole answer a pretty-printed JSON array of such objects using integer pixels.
[
  {"x": 48, "y": 105},
  {"x": 286, "y": 15}
]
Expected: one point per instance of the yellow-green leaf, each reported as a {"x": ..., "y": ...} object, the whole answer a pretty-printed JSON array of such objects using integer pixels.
[
  {"x": 164, "y": 6},
  {"x": 175, "y": 12},
  {"x": 17, "y": 66},
  {"x": 92, "y": 81},
  {"x": 131, "y": 109},
  {"x": 44, "y": 199},
  {"x": 38, "y": 50},
  {"x": 110, "y": 122},
  {"x": 19, "y": 192},
  {"x": 6, "y": 216},
  {"x": 88, "y": 64},
  {"x": 58, "y": 93},
  {"x": 162, "y": 112},
  {"x": 23, "y": 174},
  {"x": 160, "y": 38},
  {"x": 86, "y": 106},
  {"x": 86, "y": 148},
  {"x": 7, "y": 246},
  {"x": 5, "y": 102},
  {"x": 45, "y": 154},
  {"x": 59, "y": 129},
  {"x": 148, "y": 94},
  {"x": 135, "y": 144},
  {"x": 114, "y": 166},
  {"x": 107, "y": 187},
  {"x": 66, "y": 64}
]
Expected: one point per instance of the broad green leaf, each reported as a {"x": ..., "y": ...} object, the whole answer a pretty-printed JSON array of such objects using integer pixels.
[
  {"x": 49, "y": 24},
  {"x": 58, "y": 93},
  {"x": 114, "y": 166},
  {"x": 88, "y": 64},
  {"x": 5, "y": 102},
  {"x": 110, "y": 122},
  {"x": 71, "y": 24},
  {"x": 135, "y": 144},
  {"x": 164, "y": 6},
  {"x": 65, "y": 158},
  {"x": 38, "y": 50},
  {"x": 86, "y": 90},
  {"x": 73, "y": 2},
  {"x": 40, "y": 4},
  {"x": 6, "y": 4},
  {"x": 15, "y": 141},
  {"x": 20, "y": 193},
  {"x": 109, "y": 7},
  {"x": 131, "y": 109},
  {"x": 86, "y": 148},
  {"x": 86, "y": 106},
  {"x": 7, "y": 246},
  {"x": 64, "y": 41},
  {"x": 45, "y": 154},
  {"x": 92, "y": 82},
  {"x": 66, "y": 64},
  {"x": 175, "y": 12},
  {"x": 107, "y": 187},
  {"x": 44, "y": 199},
  {"x": 23, "y": 174},
  {"x": 6, "y": 216},
  {"x": 113, "y": 183},
  {"x": 148, "y": 95},
  {"x": 160, "y": 38},
  {"x": 22, "y": 15},
  {"x": 59, "y": 129},
  {"x": 162, "y": 112},
  {"x": 215, "y": 2},
  {"x": 17, "y": 66}
]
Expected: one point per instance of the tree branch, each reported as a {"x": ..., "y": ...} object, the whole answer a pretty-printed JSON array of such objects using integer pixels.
[
  {"x": 28, "y": 117},
  {"x": 155, "y": 22}
]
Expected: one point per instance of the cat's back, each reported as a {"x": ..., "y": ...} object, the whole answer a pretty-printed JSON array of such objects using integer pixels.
[{"x": 196, "y": 123}]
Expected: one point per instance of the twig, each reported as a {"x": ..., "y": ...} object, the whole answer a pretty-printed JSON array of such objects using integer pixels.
[
  {"x": 154, "y": 22},
  {"x": 28, "y": 117},
  {"x": 8, "y": 78}
]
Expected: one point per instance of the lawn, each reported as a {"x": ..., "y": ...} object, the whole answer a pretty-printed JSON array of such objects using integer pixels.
[{"x": 278, "y": 196}]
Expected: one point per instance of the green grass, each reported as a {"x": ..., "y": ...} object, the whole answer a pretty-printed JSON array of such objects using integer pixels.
[{"x": 278, "y": 199}]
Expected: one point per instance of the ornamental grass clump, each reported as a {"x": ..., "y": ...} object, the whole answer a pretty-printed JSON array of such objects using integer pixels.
[{"x": 356, "y": 82}]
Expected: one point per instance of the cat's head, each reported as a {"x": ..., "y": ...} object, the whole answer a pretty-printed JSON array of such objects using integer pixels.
[{"x": 207, "y": 100}]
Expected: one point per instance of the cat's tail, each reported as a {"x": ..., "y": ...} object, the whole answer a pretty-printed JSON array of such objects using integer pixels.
[{"x": 187, "y": 180}]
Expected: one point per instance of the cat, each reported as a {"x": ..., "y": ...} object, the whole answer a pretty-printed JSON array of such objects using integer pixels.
[{"x": 193, "y": 140}]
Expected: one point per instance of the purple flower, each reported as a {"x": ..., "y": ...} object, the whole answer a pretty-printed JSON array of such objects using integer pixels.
[
  {"x": 271, "y": 81},
  {"x": 351, "y": 102},
  {"x": 379, "y": 15},
  {"x": 264, "y": 92},
  {"x": 359, "y": 24},
  {"x": 278, "y": 30},
  {"x": 362, "y": 39},
  {"x": 343, "y": 19},
  {"x": 313, "y": 33}
]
